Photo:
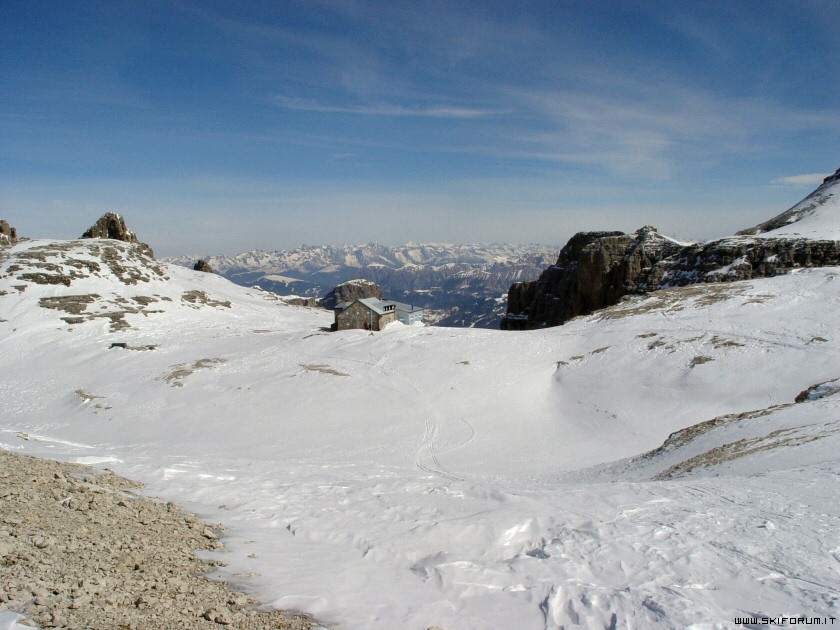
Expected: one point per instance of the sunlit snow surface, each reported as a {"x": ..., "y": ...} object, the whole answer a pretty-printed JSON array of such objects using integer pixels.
[{"x": 470, "y": 479}]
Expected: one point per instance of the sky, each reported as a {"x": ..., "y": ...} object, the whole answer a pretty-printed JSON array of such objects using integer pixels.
[{"x": 219, "y": 127}]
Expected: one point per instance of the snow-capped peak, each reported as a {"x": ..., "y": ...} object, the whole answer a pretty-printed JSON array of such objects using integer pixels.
[{"x": 815, "y": 217}]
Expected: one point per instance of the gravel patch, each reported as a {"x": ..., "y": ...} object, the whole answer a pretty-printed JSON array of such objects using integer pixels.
[{"x": 82, "y": 549}]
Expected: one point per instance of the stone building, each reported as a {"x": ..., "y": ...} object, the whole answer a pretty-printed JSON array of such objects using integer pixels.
[{"x": 374, "y": 314}]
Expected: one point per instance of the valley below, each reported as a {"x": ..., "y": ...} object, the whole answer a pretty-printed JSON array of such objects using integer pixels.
[{"x": 461, "y": 286}]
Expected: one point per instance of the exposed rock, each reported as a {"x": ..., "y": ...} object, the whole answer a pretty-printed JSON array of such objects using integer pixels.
[
  {"x": 597, "y": 269},
  {"x": 743, "y": 258},
  {"x": 351, "y": 290},
  {"x": 8, "y": 234},
  {"x": 112, "y": 225},
  {"x": 594, "y": 270},
  {"x": 72, "y": 263},
  {"x": 202, "y": 265},
  {"x": 296, "y": 300}
]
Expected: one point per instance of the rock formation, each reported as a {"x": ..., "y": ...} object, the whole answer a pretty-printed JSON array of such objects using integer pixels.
[
  {"x": 112, "y": 225},
  {"x": 8, "y": 234},
  {"x": 351, "y": 290},
  {"x": 296, "y": 300},
  {"x": 596, "y": 269},
  {"x": 202, "y": 265}
]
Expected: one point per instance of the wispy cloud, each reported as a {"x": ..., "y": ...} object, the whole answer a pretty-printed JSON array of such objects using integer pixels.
[
  {"x": 808, "y": 179},
  {"x": 383, "y": 109},
  {"x": 656, "y": 130}
]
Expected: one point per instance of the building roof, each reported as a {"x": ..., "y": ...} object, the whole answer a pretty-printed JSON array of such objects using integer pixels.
[
  {"x": 407, "y": 308},
  {"x": 378, "y": 306},
  {"x": 374, "y": 304}
]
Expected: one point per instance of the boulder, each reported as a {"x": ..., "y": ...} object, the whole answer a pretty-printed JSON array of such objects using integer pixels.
[
  {"x": 351, "y": 290},
  {"x": 8, "y": 234},
  {"x": 202, "y": 265}
]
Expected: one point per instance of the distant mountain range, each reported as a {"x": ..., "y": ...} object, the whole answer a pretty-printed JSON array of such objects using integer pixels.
[{"x": 459, "y": 285}]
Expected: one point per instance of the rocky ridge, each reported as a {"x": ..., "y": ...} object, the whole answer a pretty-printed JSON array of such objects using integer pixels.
[
  {"x": 81, "y": 549},
  {"x": 597, "y": 269}
]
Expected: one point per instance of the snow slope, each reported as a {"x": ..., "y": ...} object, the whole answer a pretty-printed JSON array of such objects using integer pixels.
[
  {"x": 470, "y": 479},
  {"x": 815, "y": 217}
]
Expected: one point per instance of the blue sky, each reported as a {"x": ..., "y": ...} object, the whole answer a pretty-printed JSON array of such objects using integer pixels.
[{"x": 217, "y": 127}]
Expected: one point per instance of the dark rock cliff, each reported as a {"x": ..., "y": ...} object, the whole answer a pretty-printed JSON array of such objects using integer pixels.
[
  {"x": 739, "y": 258},
  {"x": 202, "y": 265},
  {"x": 351, "y": 290},
  {"x": 594, "y": 270},
  {"x": 597, "y": 269}
]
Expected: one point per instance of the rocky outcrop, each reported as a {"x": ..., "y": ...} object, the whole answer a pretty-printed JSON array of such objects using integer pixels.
[
  {"x": 112, "y": 225},
  {"x": 202, "y": 265},
  {"x": 597, "y": 269},
  {"x": 743, "y": 258},
  {"x": 351, "y": 290},
  {"x": 594, "y": 270},
  {"x": 8, "y": 234},
  {"x": 296, "y": 300}
]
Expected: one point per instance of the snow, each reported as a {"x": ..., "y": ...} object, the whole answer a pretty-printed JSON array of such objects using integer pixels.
[
  {"x": 282, "y": 279},
  {"x": 817, "y": 216},
  {"x": 466, "y": 478}
]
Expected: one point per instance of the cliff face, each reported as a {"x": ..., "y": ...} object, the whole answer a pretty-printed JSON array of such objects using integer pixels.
[
  {"x": 735, "y": 258},
  {"x": 606, "y": 268},
  {"x": 351, "y": 290},
  {"x": 596, "y": 269}
]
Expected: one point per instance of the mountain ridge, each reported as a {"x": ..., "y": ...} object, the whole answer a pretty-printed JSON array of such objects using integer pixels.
[
  {"x": 597, "y": 269},
  {"x": 458, "y": 284}
]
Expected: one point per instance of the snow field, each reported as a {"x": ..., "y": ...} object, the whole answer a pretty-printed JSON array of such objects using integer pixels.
[{"x": 469, "y": 479}]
